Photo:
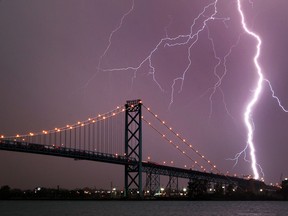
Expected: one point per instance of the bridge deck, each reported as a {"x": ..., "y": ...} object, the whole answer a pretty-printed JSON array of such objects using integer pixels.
[
  {"x": 148, "y": 167},
  {"x": 193, "y": 174},
  {"x": 76, "y": 154}
]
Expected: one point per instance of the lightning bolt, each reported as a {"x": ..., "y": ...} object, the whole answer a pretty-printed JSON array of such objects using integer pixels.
[
  {"x": 217, "y": 85},
  {"x": 114, "y": 31},
  {"x": 249, "y": 108},
  {"x": 188, "y": 40},
  {"x": 275, "y": 97},
  {"x": 181, "y": 40},
  {"x": 255, "y": 97},
  {"x": 193, "y": 37}
]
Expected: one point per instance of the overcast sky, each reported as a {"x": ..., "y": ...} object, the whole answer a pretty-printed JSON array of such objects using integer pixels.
[{"x": 58, "y": 61}]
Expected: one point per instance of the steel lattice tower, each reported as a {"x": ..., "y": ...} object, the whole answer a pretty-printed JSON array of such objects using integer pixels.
[{"x": 133, "y": 147}]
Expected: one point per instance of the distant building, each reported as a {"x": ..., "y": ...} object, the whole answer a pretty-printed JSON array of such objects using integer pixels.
[{"x": 285, "y": 183}]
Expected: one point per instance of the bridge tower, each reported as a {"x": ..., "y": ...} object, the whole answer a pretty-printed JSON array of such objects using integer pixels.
[{"x": 133, "y": 148}]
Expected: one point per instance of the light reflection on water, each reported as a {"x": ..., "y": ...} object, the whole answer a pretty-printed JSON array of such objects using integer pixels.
[{"x": 143, "y": 208}]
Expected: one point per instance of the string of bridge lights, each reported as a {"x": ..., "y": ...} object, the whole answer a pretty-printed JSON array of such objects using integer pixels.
[
  {"x": 98, "y": 118},
  {"x": 213, "y": 166},
  {"x": 175, "y": 145}
]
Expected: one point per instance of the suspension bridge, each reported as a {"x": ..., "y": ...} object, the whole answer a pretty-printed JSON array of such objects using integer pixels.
[{"x": 116, "y": 137}]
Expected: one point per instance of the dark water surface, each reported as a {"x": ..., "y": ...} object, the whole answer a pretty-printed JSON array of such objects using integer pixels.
[{"x": 141, "y": 208}]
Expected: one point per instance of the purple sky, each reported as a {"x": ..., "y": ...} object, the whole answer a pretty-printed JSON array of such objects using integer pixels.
[{"x": 49, "y": 57}]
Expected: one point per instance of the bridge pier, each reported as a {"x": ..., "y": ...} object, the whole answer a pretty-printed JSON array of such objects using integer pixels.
[
  {"x": 133, "y": 148},
  {"x": 172, "y": 186},
  {"x": 152, "y": 183}
]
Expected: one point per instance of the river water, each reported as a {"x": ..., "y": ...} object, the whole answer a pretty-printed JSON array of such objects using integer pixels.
[{"x": 143, "y": 208}]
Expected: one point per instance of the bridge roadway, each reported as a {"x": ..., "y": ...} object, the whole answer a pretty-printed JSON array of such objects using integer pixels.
[
  {"x": 147, "y": 167},
  {"x": 76, "y": 154},
  {"x": 158, "y": 169}
]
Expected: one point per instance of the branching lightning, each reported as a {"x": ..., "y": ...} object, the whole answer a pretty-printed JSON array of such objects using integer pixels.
[
  {"x": 110, "y": 42},
  {"x": 181, "y": 40},
  {"x": 275, "y": 97},
  {"x": 188, "y": 40},
  {"x": 220, "y": 77}
]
